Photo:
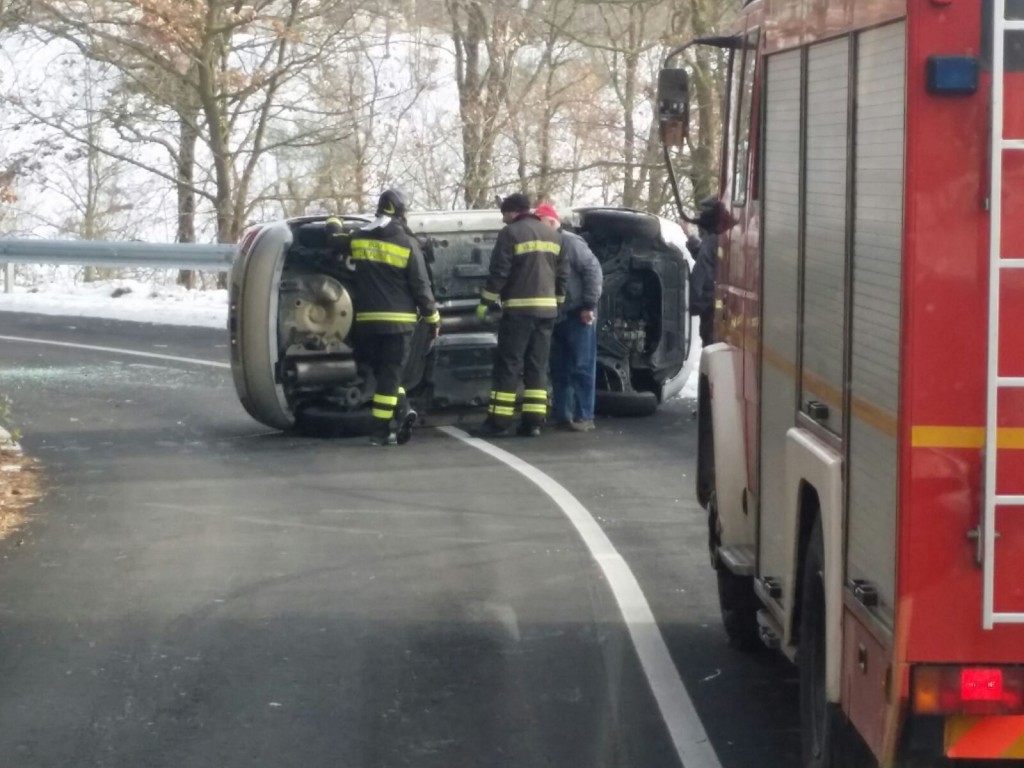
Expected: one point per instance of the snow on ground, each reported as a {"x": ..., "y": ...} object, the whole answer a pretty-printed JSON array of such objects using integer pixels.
[
  {"x": 136, "y": 300},
  {"x": 155, "y": 302}
]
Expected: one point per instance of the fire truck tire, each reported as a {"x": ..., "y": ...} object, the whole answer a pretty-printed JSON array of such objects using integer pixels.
[
  {"x": 739, "y": 607},
  {"x": 705, "y": 445},
  {"x": 827, "y": 739}
]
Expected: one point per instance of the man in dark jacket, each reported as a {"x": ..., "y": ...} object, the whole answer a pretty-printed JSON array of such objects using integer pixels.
[
  {"x": 702, "y": 279},
  {"x": 574, "y": 340},
  {"x": 528, "y": 275},
  {"x": 391, "y": 285}
]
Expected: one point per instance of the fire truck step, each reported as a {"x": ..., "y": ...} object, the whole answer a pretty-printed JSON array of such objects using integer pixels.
[{"x": 738, "y": 558}]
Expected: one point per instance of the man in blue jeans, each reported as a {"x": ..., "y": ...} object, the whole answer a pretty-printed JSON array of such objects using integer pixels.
[{"x": 574, "y": 340}]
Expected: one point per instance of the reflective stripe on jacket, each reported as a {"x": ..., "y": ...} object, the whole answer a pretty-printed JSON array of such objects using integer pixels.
[
  {"x": 528, "y": 271},
  {"x": 392, "y": 283}
]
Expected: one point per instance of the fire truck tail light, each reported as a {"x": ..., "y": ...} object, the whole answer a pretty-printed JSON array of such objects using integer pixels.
[
  {"x": 968, "y": 690},
  {"x": 981, "y": 684}
]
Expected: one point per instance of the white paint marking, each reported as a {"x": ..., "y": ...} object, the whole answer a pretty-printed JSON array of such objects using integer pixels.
[
  {"x": 116, "y": 351},
  {"x": 684, "y": 726}
]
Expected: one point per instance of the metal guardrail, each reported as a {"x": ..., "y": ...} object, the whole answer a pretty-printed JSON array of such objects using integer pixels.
[{"x": 210, "y": 257}]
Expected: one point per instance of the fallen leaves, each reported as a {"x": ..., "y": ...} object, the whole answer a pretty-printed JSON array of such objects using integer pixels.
[{"x": 19, "y": 488}]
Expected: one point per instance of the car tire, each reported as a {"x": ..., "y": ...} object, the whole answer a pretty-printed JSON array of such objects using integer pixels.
[
  {"x": 255, "y": 363},
  {"x": 626, "y": 404},
  {"x": 620, "y": 225},
  {"x": 326, "y": 422}
]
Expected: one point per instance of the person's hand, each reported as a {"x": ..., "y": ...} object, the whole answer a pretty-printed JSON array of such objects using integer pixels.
[
  {"x": 587, "y": 316},
  {"x": 481, "y": 312},
  {"x": 435, "y": 330}
]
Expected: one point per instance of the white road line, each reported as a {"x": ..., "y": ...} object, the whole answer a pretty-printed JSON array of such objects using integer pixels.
[
  {"x": 116, "y": 351},
  {"x": 684, "y": 726}
]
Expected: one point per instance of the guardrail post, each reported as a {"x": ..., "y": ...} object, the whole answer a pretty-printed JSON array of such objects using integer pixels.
[{"x": 8, "y": 278}]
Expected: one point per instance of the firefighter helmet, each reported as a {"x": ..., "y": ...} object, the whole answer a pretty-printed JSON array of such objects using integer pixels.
[{"x": 393, "y": 202}]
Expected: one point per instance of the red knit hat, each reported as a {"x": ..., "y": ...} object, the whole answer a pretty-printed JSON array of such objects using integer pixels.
[{"x": 546, "y": 209}]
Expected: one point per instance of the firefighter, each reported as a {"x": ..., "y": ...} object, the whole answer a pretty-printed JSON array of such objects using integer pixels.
[
  {"x": 528, "y": 275},
  {"x": 391, "y": 285}
]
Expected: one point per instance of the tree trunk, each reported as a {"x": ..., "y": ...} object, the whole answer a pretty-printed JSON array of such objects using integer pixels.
[
  {"x": 480, "y": 98},
  {"x": 185, "y": 172}
]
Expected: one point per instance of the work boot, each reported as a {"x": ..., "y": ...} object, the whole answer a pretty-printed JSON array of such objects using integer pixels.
[
  {"x": 404, "y": 434},
  {"x": 383, "y": 435},
  {"x": 490, "y": 429},
  {"x": 528, "y": 430}
]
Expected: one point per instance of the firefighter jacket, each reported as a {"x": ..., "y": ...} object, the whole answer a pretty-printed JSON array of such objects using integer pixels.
[
  {"x": 391, "y": 280},
  {"x": 528, "y": 271}
]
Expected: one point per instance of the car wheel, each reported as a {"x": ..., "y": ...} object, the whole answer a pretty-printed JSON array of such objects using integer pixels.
[
  {"x": 255, "y": 364},
  {"x": 626, "y": 404}
]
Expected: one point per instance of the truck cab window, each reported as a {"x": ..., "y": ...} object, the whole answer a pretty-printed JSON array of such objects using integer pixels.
[{"x": 741, "y": 144}]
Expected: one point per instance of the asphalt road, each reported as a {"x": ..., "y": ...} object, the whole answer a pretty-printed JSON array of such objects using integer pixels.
[{"x": 196, "y": 591}]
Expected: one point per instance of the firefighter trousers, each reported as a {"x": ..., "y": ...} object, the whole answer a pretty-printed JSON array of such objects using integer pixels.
[
  {"x": 524, "y": 343},
  {"x": 387, "y": 354}
]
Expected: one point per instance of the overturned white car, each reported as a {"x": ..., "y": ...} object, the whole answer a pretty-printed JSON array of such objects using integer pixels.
[{"x": 291, "y": 310}]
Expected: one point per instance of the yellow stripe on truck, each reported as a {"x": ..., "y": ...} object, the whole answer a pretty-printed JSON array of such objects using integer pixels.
[{"x": 937, "y": 436}]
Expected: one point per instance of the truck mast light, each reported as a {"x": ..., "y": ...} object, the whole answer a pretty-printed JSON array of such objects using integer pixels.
[{"x": 953, "y": 75}]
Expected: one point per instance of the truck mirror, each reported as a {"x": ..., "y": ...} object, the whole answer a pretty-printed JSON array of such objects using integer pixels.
[{"x": 673, "y": 106}]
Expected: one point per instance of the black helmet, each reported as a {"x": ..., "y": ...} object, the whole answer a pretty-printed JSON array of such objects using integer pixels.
[{"x": 393, "y": 202}]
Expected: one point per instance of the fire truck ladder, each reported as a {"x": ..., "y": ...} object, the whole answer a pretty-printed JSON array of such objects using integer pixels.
[{"x": 997, "y": 263}]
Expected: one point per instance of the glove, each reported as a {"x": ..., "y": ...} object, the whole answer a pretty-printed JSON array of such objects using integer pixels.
[
  {"x": 481, "y": 312},
  {"x": 433, "y": 322}
]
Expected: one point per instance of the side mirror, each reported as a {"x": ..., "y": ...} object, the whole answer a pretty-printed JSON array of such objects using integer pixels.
[{"x": 673, "y": 106}]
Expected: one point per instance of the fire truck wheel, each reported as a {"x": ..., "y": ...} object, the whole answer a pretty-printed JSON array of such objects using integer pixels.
[
  {"x": 705, "y": 445},
  {"x": 736, "y": 597},
  {"x": 826, "y": 738},
  {"x": 739, "y": 607}
]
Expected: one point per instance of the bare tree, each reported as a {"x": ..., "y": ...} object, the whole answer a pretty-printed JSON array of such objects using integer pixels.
[
  {"x": 225, "y": 75},
  {"x": 487, "y": 38}
]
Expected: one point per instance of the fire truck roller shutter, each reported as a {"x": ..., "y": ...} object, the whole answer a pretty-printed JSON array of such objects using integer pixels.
[
  {"x": 875, "y": 354},
  {"x": 780, "y": 308},
  {"x": 828, "y": 83}
]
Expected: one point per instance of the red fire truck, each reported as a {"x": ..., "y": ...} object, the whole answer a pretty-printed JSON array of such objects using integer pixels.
[{"x": 861, "y": 418}]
